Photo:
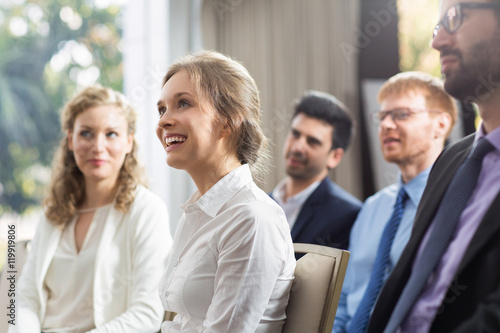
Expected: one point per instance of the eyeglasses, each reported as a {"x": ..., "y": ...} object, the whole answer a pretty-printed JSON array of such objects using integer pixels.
[
  {"x": 452, "y": 20},
  {"x": 400, "y": 114}
]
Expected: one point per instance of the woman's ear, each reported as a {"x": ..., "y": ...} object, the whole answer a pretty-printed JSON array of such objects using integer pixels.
[
  {"x": 228, "y": 128},
  {"x": 130, "y": 143},
  {"x": 69, "y": 137}
]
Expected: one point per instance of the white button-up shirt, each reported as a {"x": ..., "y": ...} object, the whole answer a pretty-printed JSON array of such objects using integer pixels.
[{"x": 232, "y": 261}]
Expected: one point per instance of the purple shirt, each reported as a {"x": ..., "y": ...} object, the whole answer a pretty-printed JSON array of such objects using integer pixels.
[{"x": 422, "y": 314}]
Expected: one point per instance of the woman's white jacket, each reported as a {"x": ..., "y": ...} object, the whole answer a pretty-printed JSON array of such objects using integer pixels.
[{"x": 129, "y": 263}]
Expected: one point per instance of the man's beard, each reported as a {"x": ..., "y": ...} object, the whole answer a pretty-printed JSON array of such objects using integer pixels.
[
  {"x": 296, "y": 173},
  {"x": 475, "y": 79}
]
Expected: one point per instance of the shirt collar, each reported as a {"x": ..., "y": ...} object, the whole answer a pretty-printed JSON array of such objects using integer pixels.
[
  {"x": 217, "y": 196},
  {"x": 493, "y": 137},
  {"x": 279, "y": 193},
  {"x": 415, "y": 187}
]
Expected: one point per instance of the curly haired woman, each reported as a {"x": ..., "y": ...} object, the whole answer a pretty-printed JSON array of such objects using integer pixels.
[{"x": 97, "y": 255}]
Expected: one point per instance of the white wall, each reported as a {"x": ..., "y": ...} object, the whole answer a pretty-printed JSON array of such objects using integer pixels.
[{"x": 155, "y": 33}]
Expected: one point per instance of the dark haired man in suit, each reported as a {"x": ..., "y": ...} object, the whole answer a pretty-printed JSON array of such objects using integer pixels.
[{"x": 318, "y": 210}]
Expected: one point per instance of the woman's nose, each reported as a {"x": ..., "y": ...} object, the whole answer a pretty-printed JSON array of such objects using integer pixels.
[
  {"x": 166, "y": 120},
  {"x": 99, "y": 142}
]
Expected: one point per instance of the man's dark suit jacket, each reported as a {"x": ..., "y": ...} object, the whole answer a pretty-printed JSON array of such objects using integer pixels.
[
  {"x": 326, "y": 217},
  {"x": 472, "y": 302}
]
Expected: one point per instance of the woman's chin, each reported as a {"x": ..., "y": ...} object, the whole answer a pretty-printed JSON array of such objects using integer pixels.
[{"x": 174, "y": 163}]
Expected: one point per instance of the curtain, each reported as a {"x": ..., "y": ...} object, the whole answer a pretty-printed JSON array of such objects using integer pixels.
[{"x": 290, "y": 46}]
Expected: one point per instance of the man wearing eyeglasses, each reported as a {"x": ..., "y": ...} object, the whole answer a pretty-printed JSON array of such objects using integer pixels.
[
  {"x": 448, "y": 276},
  {"x": 416, "y": 117}
]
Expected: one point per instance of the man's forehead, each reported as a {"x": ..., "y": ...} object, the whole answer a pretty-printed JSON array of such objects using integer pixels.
[
  {"x": 311, "y": 127},
  {"x": 409, "y": 98},
  {"x": 306, "y": 120}
]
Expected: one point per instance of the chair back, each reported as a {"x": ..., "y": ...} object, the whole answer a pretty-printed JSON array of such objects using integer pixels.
[{"x": 315, "y": 292}]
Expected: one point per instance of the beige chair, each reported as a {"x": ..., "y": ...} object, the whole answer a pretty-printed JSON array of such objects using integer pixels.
[
  {"x": 315, "y": 293},
  {"x": 22, "y": 248},
  {"x": 169, "y": 316}
]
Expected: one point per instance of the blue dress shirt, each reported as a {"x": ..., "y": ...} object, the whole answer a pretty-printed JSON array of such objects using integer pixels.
[{"x": 365, "y": 237}]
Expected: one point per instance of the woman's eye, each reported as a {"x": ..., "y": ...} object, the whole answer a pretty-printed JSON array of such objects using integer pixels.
[
  {"x": 161, "y": 111},
  {"x": 183, "y": 104},
  {"x": 111, "y": 134},
  {"x": 85, "y": 134}
]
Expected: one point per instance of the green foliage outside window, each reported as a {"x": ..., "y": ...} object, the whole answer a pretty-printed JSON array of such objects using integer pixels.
[
  {"x": 416, "y": 24},
  {"x": 48, "y": 50}
]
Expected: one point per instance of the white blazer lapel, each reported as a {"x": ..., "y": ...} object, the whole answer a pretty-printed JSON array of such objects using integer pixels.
[
  {"x": 111, "y": 224},
  {"x": 102, "y": 279},
  {"x": 50, "y": 236}
]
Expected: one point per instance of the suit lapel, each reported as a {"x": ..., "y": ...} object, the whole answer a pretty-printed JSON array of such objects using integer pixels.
[
  {"x": 437, "y": 184},
  {"x": 305, "y": 214},
  {"x": 309, "y": 209},
  {"x": 433, "y": 194},
  {"x": 487, "y": 229},
  {"x": 443, "y": 171}
]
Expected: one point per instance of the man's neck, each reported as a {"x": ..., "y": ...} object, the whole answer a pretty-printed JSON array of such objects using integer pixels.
[
  {"x": 489, "y": 110},
  {"x": 410, "y": 171},
  {"x": 294, "y": 185}
]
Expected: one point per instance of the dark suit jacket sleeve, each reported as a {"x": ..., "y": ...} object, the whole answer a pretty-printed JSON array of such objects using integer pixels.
[
  {"x": 486, "y": 317},
  {"x": 472, "y": 302},
  {"x": 327, "y": 216}
]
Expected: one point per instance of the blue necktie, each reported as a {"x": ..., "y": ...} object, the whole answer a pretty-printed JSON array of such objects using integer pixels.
[
  {"x": 360, "y": 319},
  {"x": 453, "y": 203}
]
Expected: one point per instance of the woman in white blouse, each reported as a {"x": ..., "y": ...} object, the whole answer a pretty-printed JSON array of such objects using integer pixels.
[
  {"x": 232, "y": 260},
  {"x": 98, "y": 253}
]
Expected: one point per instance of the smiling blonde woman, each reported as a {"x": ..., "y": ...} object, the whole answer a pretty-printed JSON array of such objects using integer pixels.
[{"x": 232, "y": 261}]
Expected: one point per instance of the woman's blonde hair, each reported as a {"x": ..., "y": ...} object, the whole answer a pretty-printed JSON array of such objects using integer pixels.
[
  {"x": 66, "y": 190},
  {"x": 227, "y": 86}
]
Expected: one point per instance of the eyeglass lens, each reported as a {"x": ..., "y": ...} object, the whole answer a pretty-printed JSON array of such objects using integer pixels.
[
  {"x": 451, "y": 21},
  {"x": 453, "y": 18},
  {"x": 396, "y": 114}
]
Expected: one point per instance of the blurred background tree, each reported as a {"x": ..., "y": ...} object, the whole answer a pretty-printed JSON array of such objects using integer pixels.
[
  {"x": 416, "y": 24},
  {"x": 48, "y": 50}
]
